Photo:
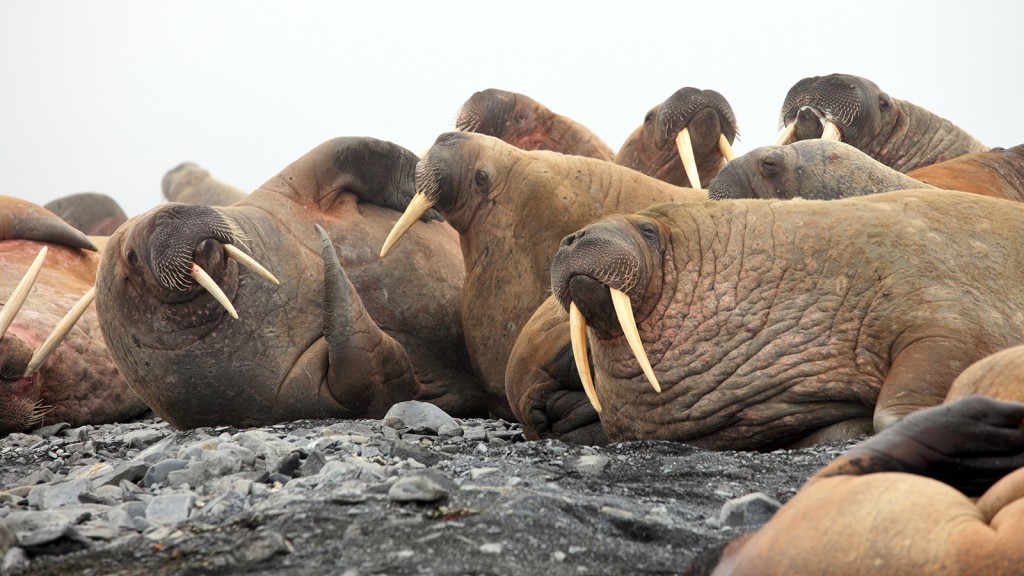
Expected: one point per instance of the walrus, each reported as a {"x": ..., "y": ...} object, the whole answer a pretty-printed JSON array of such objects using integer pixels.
[
  {"x": 827, "y": 170},
  {"x": 188, "y": 183},
  {"x": 525, "y": 123},
  {"x": 511, "y": 207},
  {"x": 93, "y": 213},
  {"x": 774, "y": 323},
  {"x": 897, "y": 133},
  {"x": 324, "y": 327},
  {"x": 695, "y": 126},
  {"x": 903, "y": 502},
  {"x": 54, "y": 366},
  {"x": 1000, "y": 375}
]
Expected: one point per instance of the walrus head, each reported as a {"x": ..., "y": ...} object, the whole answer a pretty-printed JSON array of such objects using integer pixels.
[
  {"x": 692, "y": 125},
  {"x": 494, "y": 112},
  {"x": 592, "y": 276},
  {"x": 835, "y": 107}
]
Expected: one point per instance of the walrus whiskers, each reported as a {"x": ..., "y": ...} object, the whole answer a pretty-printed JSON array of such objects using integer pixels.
[
  {"x": 59, "y": 332},
  {"x": 17, "y": 298},
  {"x": 578, "y": 337},
  {"x": 685, "y": 147},
  {"x": 207, "y": 282},
  {"x": 624, "y": 313}
]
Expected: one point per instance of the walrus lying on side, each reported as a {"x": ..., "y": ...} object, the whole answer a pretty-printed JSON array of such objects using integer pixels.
[
  {"x": 511, "y": 208},
  {"x": 772, "y": 323},
  {"x": 902, "y": 502},
  {"x": 53, "y": 363},
  {"x": 684, "y": 140},
  {"x": 855, "y": 110},
  {"x": 188, "y": 183},
  {"x": 525, "y": 123},
  {"x": 93, "y": 213},
  {"x": 317, "y": 344},
  {"x": 827, "y": 170}
]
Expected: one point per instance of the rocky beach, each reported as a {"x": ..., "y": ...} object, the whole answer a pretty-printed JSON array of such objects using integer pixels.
[{"x": 417, "y": 492}]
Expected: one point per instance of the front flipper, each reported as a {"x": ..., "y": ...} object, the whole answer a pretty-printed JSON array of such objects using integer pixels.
[
  {"x": 376, "y": 171},
  {"x": 968, "y": 444},
  {"x": 23, "y": 220},
  {"x": 543, "y": 385},
  {"x": 368, "y": 370}
]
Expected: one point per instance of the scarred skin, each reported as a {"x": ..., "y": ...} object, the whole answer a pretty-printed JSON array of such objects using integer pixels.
[
  {"x": 827, "y": 170},
  {"x": 774, "y": 323},
  {"x": 651, "y": 147},
  {"x": 901, "y": 502},
  {"x": 895, "y": 132},
  {"x": 525, "y": 123},
  {"x": 511, "y": 208},
  {"x": 79, "y": 383},
  {"x": 190, "y": 184},
  {"x": 93, "y": 213},
  {"x": 291, "y": 354}
]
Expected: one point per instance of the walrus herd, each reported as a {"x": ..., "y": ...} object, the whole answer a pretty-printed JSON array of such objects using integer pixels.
[{"x": 860, "y": 277}]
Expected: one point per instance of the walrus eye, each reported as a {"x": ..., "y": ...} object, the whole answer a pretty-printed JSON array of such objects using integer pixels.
[
  {"x": 649, "y": 231},
  {"x": 883, "y": 103},
  {"x": 483, "y": 181},
  {"x": 769, "y": 168},
  {"x": 521, "y": 117},
  {"x": 131, "y": 257}
]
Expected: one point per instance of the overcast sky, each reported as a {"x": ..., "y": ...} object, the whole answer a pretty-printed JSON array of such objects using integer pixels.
[{"x": 107, "y": 96}]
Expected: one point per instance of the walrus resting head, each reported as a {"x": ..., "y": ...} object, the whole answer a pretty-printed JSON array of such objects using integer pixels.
[
  {"x": 692, "y": 125},
  {"x": 836, "y": 107}
]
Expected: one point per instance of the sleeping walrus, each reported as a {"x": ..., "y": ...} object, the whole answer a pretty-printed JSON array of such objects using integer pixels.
[
  {"x": 511, "y": 208},
  {"x": 93, "y": 213},
  {"x": 343, "y": 334},
  {"x": 770, "y": 323},
  {"x": 49, "y": 368},
  {"x": 855, "y": 110},
  {"x": 902, "y": 502}
]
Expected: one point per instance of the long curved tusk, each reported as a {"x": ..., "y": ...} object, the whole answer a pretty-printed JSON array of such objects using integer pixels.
[
  {"x": 829, "y": 131},
  {"x": 57, "y": 336},
  {"x": 787, "y": 135},
  {"x": 686, "y": 154},
  {"x": 206, "y": 282},
  {"x": 17, "y": 298},
  {"x": 236, "y": 254},
  {"x": 578, "y": 336},
  {"x": 418, "y": 206},
  {"x": 725, "y": 148},
  {"x": 624, "y": 312}
]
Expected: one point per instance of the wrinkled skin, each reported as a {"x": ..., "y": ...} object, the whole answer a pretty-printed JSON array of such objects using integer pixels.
[
  {"x": 899, "y": 503},
  {"x": 511, "y": 208},
  {"x": 189, "y": 184},
  {"x": 651, "y": 148},
  {"x": 93, "y": 213},
  {"x": 895, "y": 132},
  {"x": 778, "y": 323},
  {"x": 79, "y": 383},
  {"x": 525, "y": 123},
  {"x": 311, "y": 347},
  {"x": 828, "y": 170}
]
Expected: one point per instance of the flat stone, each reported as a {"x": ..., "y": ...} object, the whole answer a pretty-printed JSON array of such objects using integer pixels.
[
  {"x": 158, "y": 472},
  {"x": 591, "y": 465},
  {"x": 419, "y": 417},
  {"x": 428, "y": 485},
  {"x": 750, "y": 511},
  {"x": 132, "y": 471},
  {"x": 170, "y": 508},
  {"x": 44, "y": 496}
]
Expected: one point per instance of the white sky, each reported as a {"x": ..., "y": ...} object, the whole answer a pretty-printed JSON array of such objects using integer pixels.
[{"x": 107, "y": 96}]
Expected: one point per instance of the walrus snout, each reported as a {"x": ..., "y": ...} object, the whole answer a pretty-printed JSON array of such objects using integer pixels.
[
  {"x": 605, "y": 252},
  {"x": 704, "y": 112}
]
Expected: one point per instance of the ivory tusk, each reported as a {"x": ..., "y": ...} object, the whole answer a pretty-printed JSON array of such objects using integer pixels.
[
  {"x": 786, "y": 135},
  {"x": 17, "y": 298},
  {"x": 57, "y": 336},
  {"x": 236, "y": 254},
  {"x": 725, "y": 148},
  {"x": 624, "y": 312},
  {"x": 686, "y": 153},
  {"x": 206, "y": 282},
  {"x": 418, "y": 206},
  {"x": 578, "y": 336},
  {"x": 829, "y": 131}
]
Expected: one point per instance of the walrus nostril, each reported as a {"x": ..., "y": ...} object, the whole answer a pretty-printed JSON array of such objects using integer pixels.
[{"x": 572, "y": 238}]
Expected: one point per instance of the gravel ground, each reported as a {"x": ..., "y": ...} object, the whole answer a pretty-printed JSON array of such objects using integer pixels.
[{"x": 415, "y": 493}]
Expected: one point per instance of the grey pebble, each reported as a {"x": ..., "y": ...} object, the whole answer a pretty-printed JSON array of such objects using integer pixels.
[
  {"x": 748, "y": 511},
  {"x": 419, "y": 417}
]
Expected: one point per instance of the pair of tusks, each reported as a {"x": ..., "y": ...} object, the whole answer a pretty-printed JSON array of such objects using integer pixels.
[
  {"x": 578, "y": 337},
  {"x": 17, "y": 300},
  {"x": 685, "y": 147},
  {"x": 211, "y": 286},
  {"x": 829, "y": 131}
]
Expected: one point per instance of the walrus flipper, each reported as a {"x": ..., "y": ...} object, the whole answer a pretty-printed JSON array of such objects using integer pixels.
[
  {"x": 368, "y": 370},
  {"x": 969, "y": 444},
  {"x": 22, "y": 220},
  {"x": 379, "y": 172}
]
